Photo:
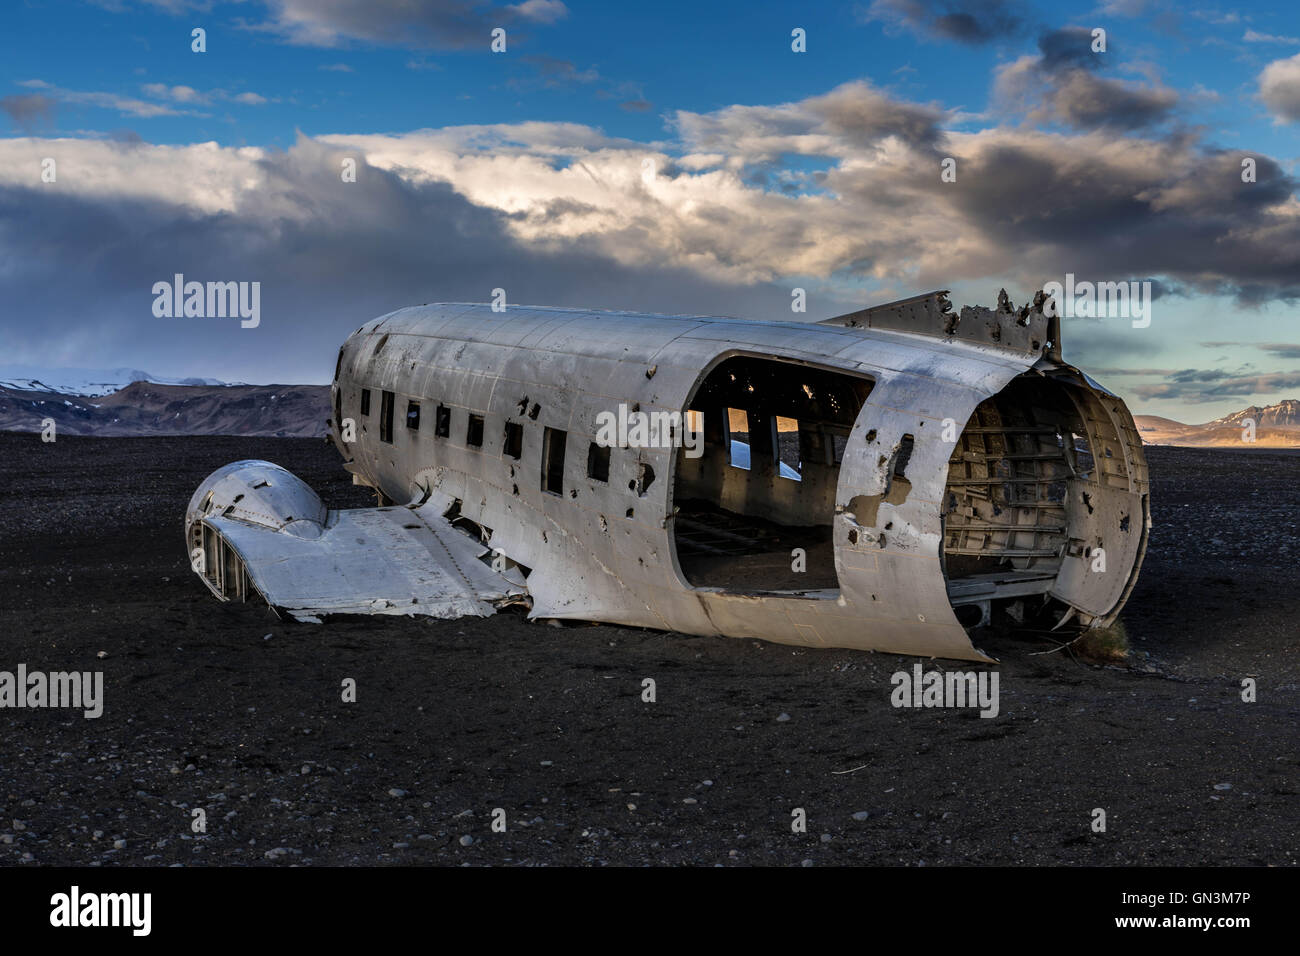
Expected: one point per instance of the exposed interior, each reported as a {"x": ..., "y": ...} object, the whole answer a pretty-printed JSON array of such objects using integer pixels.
[
  {"x": 762, "y": 483},
  {"x": 219, "y": 564},
  {"x": 1022, "y": 473}
]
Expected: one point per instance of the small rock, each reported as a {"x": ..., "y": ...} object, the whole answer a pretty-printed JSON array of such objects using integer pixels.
[
  {"x": 466, "y": 840},
  {"x": 119, "y": 844},
  {"x": 781, "y": 719},
  {"x": 826, "y": 838},
  {"x": 1223, "y": 786},
  {"x": 397, "y": 792},
  {"x": 690, "y": 800},
  {"x": 861, "y": 815},
  {"x": 806, "y": 863}
]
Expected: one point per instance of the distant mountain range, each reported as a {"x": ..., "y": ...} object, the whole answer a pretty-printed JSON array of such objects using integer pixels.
[
  {"x": 148, "y": 408},
  {"x": 88, "y": 382},
  {"x": 122, "y": 402},
  {"x": 1276, "y": 426}
]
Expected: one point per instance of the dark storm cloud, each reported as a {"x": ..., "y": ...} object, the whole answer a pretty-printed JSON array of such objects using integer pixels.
[
  {"x": 1282, "y": 349},
  {"x": 1086, "y": 101},
  {"x": 1200, "y": 386},
  {"x": 28, "y": 110},
  {"x": 1064, "y": 85},
  {"x": 1068, "y": 47},
  {"x": 556, "y": 72},
  {"x": 1164, "y": 208},
  {"x": 1287, "y": 350},
  {"x": 863, "y": 115},
  {"x": 430, "y": 24},
  {"x": 964, "y": 21}
]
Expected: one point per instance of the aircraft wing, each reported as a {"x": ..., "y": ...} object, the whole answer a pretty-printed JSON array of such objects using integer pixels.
[{"x": 390, "y": 560}]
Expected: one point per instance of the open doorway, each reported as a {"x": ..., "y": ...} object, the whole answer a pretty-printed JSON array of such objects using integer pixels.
[{"x": 764, "y": 484}]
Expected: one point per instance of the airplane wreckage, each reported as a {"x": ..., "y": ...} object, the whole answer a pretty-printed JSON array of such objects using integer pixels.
[{"x": 884, "y": 480}]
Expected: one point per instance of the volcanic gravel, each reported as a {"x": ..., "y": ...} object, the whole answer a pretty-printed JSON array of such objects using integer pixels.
[{"x": 223, "y": 708}]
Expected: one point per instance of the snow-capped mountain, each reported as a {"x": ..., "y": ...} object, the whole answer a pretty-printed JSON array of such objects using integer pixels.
[
  {"x": 1285, "y": 414},
  {"x": 1276, "y": 426},
  {"x": 89, "y": 383}
]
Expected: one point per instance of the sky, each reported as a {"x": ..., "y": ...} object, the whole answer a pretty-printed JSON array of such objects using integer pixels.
[{"x": 675, "y": 157}]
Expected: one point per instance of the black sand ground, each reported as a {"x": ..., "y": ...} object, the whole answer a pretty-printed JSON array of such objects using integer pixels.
[{"x": 224, "y": 708}]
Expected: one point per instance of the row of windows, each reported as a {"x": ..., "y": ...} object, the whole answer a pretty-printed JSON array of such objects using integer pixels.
[{"x": 554, "y": 441}]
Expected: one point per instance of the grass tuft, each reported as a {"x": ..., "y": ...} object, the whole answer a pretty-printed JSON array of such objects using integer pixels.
[{"x": 1103, "y": 645}]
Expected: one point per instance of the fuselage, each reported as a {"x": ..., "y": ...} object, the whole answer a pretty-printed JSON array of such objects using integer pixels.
[{"x": 849, "y": 435}]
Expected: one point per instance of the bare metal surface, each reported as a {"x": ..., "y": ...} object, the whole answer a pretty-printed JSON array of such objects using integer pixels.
[{"x": 605, "y": 550}]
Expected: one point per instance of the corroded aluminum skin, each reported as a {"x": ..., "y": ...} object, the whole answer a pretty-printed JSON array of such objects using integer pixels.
[{"x": 589, "y": 561}]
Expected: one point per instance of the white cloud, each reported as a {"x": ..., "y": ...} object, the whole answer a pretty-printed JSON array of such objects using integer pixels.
[
  {"x": 187, "y": 94},
  {"x": 541, "y": 11},
  {"x": 721, "y": 201},
  {"x": 180, "y": 94},
  {"x": 1251, "y": 36},
  {"x": 1279, "y": 88},
  {"x": 110, "y": 101}
]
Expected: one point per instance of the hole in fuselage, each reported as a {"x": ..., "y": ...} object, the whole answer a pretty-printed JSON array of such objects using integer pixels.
[
  {"x": 762, "y": 483},
  {"x": 1019, "y": 500}
]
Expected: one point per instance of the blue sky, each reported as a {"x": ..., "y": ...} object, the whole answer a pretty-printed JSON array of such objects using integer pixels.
[
  {"x": 823, "y": 152},
  {"x": 670, "y": 55}
]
